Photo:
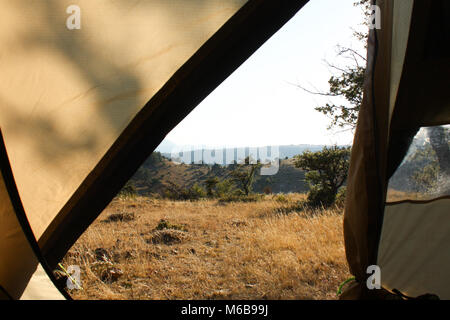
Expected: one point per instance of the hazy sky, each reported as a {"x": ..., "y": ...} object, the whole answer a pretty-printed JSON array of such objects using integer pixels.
[{"x": 257, "y": 105}]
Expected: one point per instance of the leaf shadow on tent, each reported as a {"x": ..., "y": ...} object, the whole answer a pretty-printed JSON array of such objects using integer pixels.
[{"x": 70, "y": 94}]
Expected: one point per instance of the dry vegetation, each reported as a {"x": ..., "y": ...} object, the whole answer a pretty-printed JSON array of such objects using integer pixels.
[
  {"x": 396, "y": 195},
  {"x": 210, "y": 250}
]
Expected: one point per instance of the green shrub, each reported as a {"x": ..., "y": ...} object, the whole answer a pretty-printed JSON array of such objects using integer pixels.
[
  {"x": 196, "y": 192},
  {"x": 211, "y": 184},
  {"x": 340, "y": 197},
  {"x": 128, "y": 191},
  {"x": 319, "y": 196},
  {"x": 225, "y": 188},
  {"x": 326, "y": 172},
  {"x": 175, "y": 192}
]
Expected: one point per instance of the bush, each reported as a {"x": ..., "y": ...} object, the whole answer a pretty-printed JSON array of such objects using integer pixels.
[
  {"x": 211, "y": 184},
  {"x": 340, "y": 197},
  {"x": 320, "y": 197},
  {"x": 176, "y": 192},
  {"x": 243, "y": 176},
  {"x": 326, "y": 172},
  {"x": 128, "y": 191},
  {"x": 196, "y": 192},
  {"x": 225, "y": 188}
]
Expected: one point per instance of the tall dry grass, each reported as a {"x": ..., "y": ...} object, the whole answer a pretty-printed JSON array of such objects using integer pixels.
[{"x": 255, "y": 250}]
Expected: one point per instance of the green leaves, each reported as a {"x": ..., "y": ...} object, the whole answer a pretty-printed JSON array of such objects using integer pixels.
[
  {"x": 244, "y": 175},
  {"x": 349, "y": 84},
  {"x": 326, "y": 172}
]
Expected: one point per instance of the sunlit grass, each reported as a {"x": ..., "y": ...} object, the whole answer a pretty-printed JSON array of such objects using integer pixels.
[{"x": 230, "y": 251}]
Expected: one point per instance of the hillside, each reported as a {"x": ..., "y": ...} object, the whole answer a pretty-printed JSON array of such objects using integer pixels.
[{"x": 157, "y": 172}]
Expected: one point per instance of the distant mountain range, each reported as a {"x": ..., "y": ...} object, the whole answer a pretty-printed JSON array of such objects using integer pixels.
[{"x": 229, "y": 155}]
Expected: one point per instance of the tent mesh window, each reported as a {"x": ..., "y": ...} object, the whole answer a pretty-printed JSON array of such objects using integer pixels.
[{"x": 424, "y": 173}]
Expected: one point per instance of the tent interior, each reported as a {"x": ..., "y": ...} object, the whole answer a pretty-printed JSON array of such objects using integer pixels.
[{"x": 81, "y": 110}]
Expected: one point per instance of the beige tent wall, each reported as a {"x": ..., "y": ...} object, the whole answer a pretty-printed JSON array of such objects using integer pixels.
[
  {"x": 41, "y": 287},
  {"x": 66, "y": 95},
  {"x": 17, "y": 260},
  {"x": 414, "y": 254}
]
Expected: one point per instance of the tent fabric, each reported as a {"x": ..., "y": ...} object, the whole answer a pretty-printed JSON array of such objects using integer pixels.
[
  {"x": 83, "y": 87},
  {"x": 402, "y": 11},
  {"x": 4, "y": 295},
  {"x": 40, "y": 287},
  {"x": 393, "y": 110},
  {"x": 364, "y": 199},
  {"x": 426, "y": 69},
  {"x": 20, "y": 267},
  {"x": 413, "y": 253},
  {"x": 18, "y": 261}
]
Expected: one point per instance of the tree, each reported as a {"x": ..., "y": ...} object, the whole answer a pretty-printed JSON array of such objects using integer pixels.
[
  {"x": 243, "y": 176},
  {"x": 211, "y": 184},
  {"x": 154, "y": 159},
  {"x": 326, "y": 173},
  {"x": 225, "y": 188},
  {"x": 196, "y": 192},
  {"x": 348, "y": 82}
]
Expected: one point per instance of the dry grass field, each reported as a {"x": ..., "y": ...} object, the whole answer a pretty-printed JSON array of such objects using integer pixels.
[{"x": 146, "y": 248}]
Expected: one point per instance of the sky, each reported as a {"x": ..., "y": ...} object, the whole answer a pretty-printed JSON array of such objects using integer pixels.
[{"x": 259, "y": 104}]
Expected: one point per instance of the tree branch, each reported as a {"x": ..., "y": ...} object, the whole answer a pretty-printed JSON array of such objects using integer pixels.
[{"x": 313, "y": 92}]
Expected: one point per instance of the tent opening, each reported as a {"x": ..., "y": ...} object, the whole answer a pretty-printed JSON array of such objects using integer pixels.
[{"x": 218, "y": 209}]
